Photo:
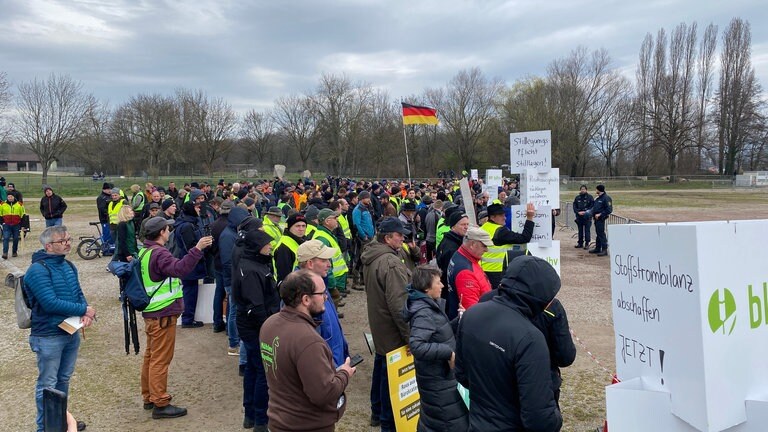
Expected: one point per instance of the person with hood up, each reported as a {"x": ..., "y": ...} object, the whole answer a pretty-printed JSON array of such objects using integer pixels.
[
  {"x": 385, "y": 277},
  {"x": 256, "y": 298},
  {"x": 502, "y": 358},
  {"x": 187, "y": 233},
  {"x": 433, "y": 346},
  {"x": 52, "y": 207}
]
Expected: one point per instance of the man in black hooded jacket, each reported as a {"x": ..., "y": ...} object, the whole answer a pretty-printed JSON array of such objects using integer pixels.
[{"x": 502, "y": 358}]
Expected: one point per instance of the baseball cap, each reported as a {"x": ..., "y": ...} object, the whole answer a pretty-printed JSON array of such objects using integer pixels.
[
  {"x": 325, "y": 214},
  {"x": 478, "y": 234},
  {"x": 314, "y": 249},
  {"x": 157, "y": 224},
  {"x": 391, "y": 224}
]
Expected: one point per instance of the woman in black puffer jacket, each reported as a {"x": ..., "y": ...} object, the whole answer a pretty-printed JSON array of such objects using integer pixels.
[{"x": 432, "y": 344}]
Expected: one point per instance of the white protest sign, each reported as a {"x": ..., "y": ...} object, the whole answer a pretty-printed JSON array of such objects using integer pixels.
[
  {"x": 691, "y": 320},
  {"x": 542, "y": 230},
  {"x": 530, "y": 150},
  {"x": 493, "y": 180},
  {"x": 466, "y": 199},
  {"x": 473, "y": 174},
  {"x": 541, "y": 188},
  {"x": 550, "y": 254}
]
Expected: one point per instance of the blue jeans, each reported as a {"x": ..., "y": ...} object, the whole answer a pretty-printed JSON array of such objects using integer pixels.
[
  {"x": 189, "y": 293},
  {"x": 53, "y": 222},
  {"x": 381, "y": 405},
  {"x": 255, "y": 390},
  {"x": 8, "y": 231},
  {"x": 56, "y": 357},
  {"x": 218, "y": 300},
  {"x": 234, "y": 339}
]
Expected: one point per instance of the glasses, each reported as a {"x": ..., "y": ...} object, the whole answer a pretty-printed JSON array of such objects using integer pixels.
[
  {"x": 62, "y": 241},
  {"x": 324, "y": 294}
]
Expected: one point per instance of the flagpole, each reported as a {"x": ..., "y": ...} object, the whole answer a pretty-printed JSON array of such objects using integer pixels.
[{"x": 407, "y": 161}]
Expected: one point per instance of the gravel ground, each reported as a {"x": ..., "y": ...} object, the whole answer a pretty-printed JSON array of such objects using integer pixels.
[{"x": 105, "y": 388}]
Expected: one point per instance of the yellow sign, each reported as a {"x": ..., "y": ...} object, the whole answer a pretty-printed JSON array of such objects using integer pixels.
[{"x": 403, "y": 391}]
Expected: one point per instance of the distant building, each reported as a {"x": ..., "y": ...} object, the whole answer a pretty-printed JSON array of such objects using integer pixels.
[{"x": 21, "y": 162}]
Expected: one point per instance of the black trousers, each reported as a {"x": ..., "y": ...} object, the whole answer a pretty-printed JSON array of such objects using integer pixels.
[
  {"x": 585, "y": 226},
  {"x": 601, "y": 243}
]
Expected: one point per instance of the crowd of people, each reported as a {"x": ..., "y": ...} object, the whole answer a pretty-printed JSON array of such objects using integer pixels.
[{"x": 472, "y": 306}]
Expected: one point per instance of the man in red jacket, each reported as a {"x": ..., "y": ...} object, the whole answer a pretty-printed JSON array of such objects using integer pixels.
[{"x": 464, "y": 272}]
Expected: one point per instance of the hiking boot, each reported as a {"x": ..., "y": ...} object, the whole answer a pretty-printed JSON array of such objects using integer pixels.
[
  {"x": 358, "y": 287},
  {"x": 168, "y": 411},
  {"x": 5, "y": 256},
  {"x": 603, "y": 253},
  {"x": 579, "y": 246},
  {"x": 340, "y": 315},
  {"x": 260, "y": 428},
  {"x": 247, "y": 423},
  {"x": 149, "y": 405},
  {"x": 233, "y": 351},
  {"x": 594, "y": 251},
  {"x": 15, "y": 255},
  {"x": 375, "y": 421},
  {"x": 218, "y": 328},
  {"x": 81, "y": 425}
]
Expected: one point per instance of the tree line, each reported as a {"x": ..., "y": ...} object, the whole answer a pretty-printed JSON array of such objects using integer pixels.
[{"x": 685, "y": 111}]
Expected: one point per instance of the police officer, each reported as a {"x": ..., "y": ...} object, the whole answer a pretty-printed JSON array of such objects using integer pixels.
[
  {"x": 600, "y": 210},
  {"x": 581, "y": 205}
]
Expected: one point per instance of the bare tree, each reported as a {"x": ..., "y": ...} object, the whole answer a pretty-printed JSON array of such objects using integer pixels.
[
  {"x": 149, "y": 125},
  {"x": 258, "y": 132},
  {"x": 5, "y": 102},
  {"x": 707, "y": 48},
  {"x": 738, "y": 95},
  {"x": 466, "y": 107},
  {"x": 340, "y": 105},
  {"x": 617, "y": 132},
  {"x": 52, "y": 115},
  {"x": 296, "y": 117},
  {"x": 584, "y": 87},
  {"x": 94, "y": 149},
  {"x": 382, "y": 124},
  {"x": 208, "y": 124}
]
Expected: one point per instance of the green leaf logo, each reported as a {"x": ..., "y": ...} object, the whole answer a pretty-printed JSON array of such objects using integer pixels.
[{"x": 722, "y": 311}]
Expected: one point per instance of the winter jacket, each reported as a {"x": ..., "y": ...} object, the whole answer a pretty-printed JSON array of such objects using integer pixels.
[
  {"x": 217, "y": 227},
  {"x": 466, "y": 278},
  {"x": 54, "y": 293},
  {"x": 362, "y": 219},
  {"x": 505, "y": 362},
  {"x": 102, "y": 201},
  {"x": 162, "y": 264},
  {"x": 329, "y": 327},
  {"x": 430, "y": 222},
  {"x": 603, "y": 206},
  {"x": 432, "y": 343},
  {"x": 126, "y": 241},
  {"x": 52, "y": 207},
  {"x": 385, "y": 278},
  {"x": 582, "y": 202},
  {"x": 284, "y": 257},
  {"x": 227, "y": 241},
  {"x": 253, "y": 289},
  {"x": 187, "y": 232},
  {"x": 11, "y": 213},
  {"x": 450, "y": 244},
  {"x": 306, "y": 393}
]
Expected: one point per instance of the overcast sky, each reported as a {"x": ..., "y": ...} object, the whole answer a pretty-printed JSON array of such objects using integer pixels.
[{"x": 251, "y": 52}]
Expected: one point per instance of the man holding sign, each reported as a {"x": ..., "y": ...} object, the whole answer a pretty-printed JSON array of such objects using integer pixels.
[{"x": 496, "y": 259}]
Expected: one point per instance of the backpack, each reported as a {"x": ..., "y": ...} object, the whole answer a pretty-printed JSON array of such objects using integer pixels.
[
  {"x": 21, "y": 304},
  {"x": 175, "y": 243},
  {"x": 134, "y": 288}
]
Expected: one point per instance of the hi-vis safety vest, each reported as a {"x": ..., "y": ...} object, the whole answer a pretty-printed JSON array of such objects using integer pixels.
[
  {"x": 273, "y": 231},
  {"x": 440, "y": 231},
  {"x": 495, "y": 260},
  {"x": 291, "y": 244},
  {"x": 339, "y": 264},
  {"x": 344, "y": 223},
  {"x": 168, "y": 289},
  {"x": 395, "y": 202},
  {"x": 309, "y": 234},
  {"x": 113, "y": 209}
]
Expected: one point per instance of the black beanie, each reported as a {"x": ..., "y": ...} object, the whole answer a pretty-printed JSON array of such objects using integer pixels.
[{"x": 455, "y": 217}]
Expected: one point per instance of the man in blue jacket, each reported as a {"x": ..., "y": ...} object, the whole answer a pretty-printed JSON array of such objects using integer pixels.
[
  {"x": 314, "y": 256},
  {"x": 54, "y": 292}
]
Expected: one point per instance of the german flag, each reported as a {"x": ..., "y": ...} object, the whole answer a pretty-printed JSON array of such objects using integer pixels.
[{"x": 413, "y": 114}]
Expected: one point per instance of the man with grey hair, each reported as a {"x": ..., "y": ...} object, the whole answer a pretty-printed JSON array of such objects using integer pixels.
[{"x": 53, "y": 289}]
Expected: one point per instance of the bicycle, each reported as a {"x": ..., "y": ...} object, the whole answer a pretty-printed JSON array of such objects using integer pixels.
[{"x": 90, "y": 246}]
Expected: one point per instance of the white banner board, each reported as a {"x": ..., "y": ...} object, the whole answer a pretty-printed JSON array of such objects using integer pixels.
[
  {"x": 530, "y": 150},
  {"x": 550, "y": 254},
  {"x": 473, "y": 174},
  {"x": 690, "y": 313},
  {"x": 493, "y": 180},
  {"x": 541, "y": 188},
  {"x": 542, "y": 231}
]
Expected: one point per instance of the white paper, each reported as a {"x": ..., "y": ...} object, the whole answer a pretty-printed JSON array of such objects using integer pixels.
[{"x": 530, "y": 150}]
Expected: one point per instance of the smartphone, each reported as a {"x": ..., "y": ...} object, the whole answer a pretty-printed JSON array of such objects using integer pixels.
[{"x": 356, "y": 360}]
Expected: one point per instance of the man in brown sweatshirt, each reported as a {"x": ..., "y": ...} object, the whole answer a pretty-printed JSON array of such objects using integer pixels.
[{"x": 298, "y": 362}]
